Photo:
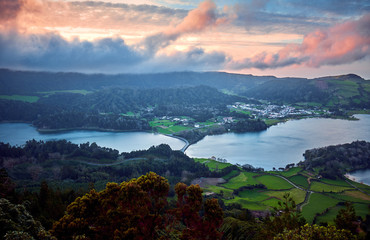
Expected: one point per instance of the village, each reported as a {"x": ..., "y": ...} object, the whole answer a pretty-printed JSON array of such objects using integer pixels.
[{"x": 275, "y": 111}]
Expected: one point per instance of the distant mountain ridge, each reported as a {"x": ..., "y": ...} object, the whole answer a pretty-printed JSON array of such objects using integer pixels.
[
  {"x": 15, "y": 82},
  {"x": 345, "y": 90}
]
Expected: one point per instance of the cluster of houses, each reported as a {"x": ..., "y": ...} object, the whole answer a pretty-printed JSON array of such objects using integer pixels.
[{"x": 274, "y": 111}]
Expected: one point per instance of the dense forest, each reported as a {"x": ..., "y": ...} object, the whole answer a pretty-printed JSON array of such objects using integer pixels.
[
  {"x": 65, "y": 163},
  {"x": 334, "y": 161},
  {"x": 104, "y": 108}
]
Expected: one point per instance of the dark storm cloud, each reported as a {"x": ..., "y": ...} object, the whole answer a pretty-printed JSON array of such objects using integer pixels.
[{"x": 51, "y": 51}]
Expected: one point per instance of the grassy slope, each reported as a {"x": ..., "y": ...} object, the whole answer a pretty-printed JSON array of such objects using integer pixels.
[{"x": 323, "y": 203}]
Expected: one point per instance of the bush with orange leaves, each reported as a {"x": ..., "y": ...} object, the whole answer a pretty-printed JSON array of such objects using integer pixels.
[{"x": 138, "y": 209}]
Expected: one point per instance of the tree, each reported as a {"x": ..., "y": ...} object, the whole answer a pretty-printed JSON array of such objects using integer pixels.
[
  {"x": 285, "y": 217},
  {"x": 17, "y": 223},
  {"x": 315, "y": 232},
  {"x": 138, "y": 209},
  {"x": 346, "y": 218}
]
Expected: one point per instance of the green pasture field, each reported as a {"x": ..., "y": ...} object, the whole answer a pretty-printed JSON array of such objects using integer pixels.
[
  {"x": 255, "y": 195},
  {"x": 247, "y": 204},
  {"x": 329, "y": 216},
  {"x": 268, "y": 198},
  {"x": 30, "y": 99},
  {"x": 263, "y": 199},
  {"x": 240, "y": 111},
  {"x": 360, "y": 209},
  {"x": 297, "y": 194},
  {"x": 243, "y": 179},
  {"x": 338, "y": 182},
  {"x": 230, "y": 175},
  {"x": 300, "y": 180},
  {"x": 270, "y": 122},
  {"x": 167, "y": 126},
  {"x": 359, "y": 185},
  {"x": 271, "y": 202},
  {"x": 323, "y": 187},
  {"x": 272, "y": 182},
  {"x": 217, "y": 189},
  {"x": 317, "y": 204},
  {"x": 212, "y": 164},
  {"x": 156, "y": 123},
  {"x": 291, "y": 172},
  {"x": 352, "y": 196}
]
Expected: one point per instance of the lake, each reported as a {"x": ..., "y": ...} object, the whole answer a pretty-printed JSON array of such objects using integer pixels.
[
  {"x": 281, "y": 144},
  {"x": 362, "y": 176},
  {"x": 19, "y": 133},
  {"x": 276, "y": 147}
]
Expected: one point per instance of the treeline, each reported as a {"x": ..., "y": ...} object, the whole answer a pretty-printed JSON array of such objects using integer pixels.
[
  {"x": 42, "y": 151},
  {"x": 81, "y": 120},
  {"x": 60, "y": 162},
  {"x": 335, "y": 161}
]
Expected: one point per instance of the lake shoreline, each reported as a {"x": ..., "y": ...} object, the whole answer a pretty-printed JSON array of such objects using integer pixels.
[{"x": 357, "y": 179}]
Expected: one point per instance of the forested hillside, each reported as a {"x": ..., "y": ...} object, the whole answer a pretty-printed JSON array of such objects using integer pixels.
[
  {"x": 71, "y": 165},
  {"x": 25, "y": 82},
  {"x": 106, "y": 108},
  {"x": 348, "y": 91},
  {"x": 334, "y": 161}
]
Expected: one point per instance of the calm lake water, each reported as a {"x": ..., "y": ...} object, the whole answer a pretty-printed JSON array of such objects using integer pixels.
[
  {"x": 362, "y": 176},
  {"x": 19, "y": 133},
  {"x": 281, "y": 144},
  {"x": 276, "y": 147}
]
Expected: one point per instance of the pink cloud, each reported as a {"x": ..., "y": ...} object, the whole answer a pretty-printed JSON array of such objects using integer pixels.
[
  {"x": 198, "y": 19},
  {"x": 343, "y": 43},
  {"x": 203, "y": 17}
]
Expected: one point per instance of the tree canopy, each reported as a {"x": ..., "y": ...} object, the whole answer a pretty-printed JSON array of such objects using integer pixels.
[{"x": 138, "y": 209}]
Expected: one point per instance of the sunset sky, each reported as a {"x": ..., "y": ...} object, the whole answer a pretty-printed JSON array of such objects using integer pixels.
[{"x": 304, "y": 38}]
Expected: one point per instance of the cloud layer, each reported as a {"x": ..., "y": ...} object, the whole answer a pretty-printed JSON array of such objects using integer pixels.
[
  {"x": 39, "y": 34},
  {"x": 51, "y": 51},
  {"x": 343, "y": 43}
]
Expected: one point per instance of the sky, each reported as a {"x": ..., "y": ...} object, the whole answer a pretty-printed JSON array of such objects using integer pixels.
[{"x": 295, "y": 38}]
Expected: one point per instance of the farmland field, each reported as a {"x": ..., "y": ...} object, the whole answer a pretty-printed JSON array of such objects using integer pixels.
[
  {"x": 322, "y": 187},
  {"x": 317, "y": 204},
  {"x": 299, "y": 180},
  {"x": 272, "y": 182},
  {"x": 212, "y": 164},
  {"x": 243, "y": 179}
]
